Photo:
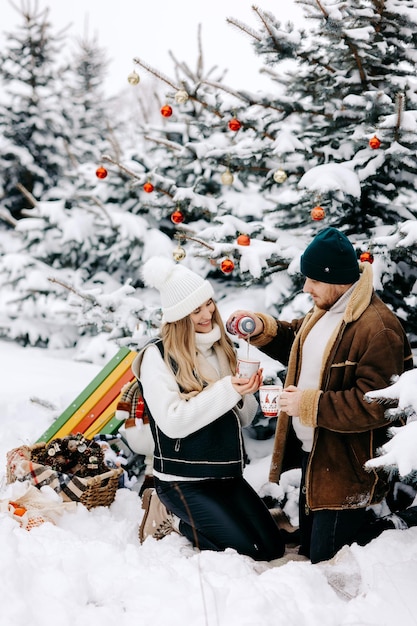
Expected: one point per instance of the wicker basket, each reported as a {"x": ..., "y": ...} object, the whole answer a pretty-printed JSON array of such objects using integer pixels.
[{"x": 91, "y": 491}]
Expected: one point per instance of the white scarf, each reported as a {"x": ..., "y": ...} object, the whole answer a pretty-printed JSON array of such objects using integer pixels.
[{"x": 211, "y": 358}]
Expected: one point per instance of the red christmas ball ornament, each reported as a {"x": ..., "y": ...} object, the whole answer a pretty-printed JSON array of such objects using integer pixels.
[
  {"x": 101, "y": 172},
  {"x": 148, "y": 187},
  {"x": 374, "y": 143},
  {"x": 243, "y": 240},
  {"x": 366, "y": 257},
  {"x": 227, "y": 266},
  {"x": 317, "y": 213},
  {"x": 177, "y": 217},
  {"x": 166, "y": 110},
  {"x": 234, "y": 124}
]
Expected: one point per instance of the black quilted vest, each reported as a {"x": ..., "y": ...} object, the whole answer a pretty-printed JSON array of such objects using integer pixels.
[{"x": 214, "y": 451}]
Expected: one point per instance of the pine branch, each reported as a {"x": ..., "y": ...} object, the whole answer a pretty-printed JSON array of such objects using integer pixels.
[
  {"x": 166, "y": 80},
  {"x": 7, "y": 217},
  {"x": 108, "y": 158},
  {"x": 399, "y": 107},
  {"x": 262, "y": 17},
  {"x": 115, "y": 144},
  {"x": 121, "y": 167},
  {"x": 350, "y": 45},
  {"x": 200, "y": 63},
  {"x": 164, "y": 142},
  {"x": 70, "y": 154},
  {"x": 242, "y": 96},
  {"x": 241, "y": 26},
  {"x": 27, "y": 195},
  {"x": 358, "y": 60},
  {"x": 101, "y": 206},
  {"x": 84, "y": 296},
  {"x": 180, "y": 236},
  {"x": 322, "y": 9}
]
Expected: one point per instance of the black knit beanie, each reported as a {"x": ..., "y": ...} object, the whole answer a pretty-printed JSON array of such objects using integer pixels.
[{"x": 330, "y": 258}]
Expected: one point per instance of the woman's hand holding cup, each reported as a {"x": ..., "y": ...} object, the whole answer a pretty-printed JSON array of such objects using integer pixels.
[{"x": 248, "y": 385}]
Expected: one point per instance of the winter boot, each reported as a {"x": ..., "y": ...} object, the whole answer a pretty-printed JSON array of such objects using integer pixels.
[
  {"x": 290, "y": 533},
  {"x": 157, "y": 521},
  {"x": 409, "y": 516}
]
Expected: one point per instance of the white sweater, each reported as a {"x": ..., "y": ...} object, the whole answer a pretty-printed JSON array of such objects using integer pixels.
[
  {"x": 311, "y": 359},
  {"x": 178, "y": 417}
]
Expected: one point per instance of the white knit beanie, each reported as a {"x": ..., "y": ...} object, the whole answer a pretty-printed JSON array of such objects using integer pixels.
[{"x": 182, "y": 291}]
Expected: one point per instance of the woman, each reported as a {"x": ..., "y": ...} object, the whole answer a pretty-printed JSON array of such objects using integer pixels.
[{"x": 198, "y": 408}]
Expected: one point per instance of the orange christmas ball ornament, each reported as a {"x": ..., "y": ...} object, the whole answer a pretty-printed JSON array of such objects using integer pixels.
[
  {"x": 374, "y": 143},
  {"x": 243, "y": 240},
  {"x": 317, "y": 213},
  {"x": 366, "y": 257},
  {"x": 166, "y": 111},
  {"x": 234, "y": 124},
  {"x": 101, "y": 172},
  {"x": 177, "y": 217},
  {"x": 227, "y": 266},
  {"x": 148, "y": 187}
]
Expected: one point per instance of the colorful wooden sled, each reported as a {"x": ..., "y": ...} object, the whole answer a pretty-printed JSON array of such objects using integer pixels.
[{"x": 93, "y": 410}]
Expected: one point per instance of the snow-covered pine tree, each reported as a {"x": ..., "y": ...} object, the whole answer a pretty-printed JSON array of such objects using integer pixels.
[
  {"x": 78, "y": 236},
  {"x": 31, "y": 124},
  {"x": 350, "y": 95},
  {"x": 333, "y": 143}
]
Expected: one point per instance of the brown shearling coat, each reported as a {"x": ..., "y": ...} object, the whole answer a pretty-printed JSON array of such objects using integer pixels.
[{"x": 365, "y": 351}]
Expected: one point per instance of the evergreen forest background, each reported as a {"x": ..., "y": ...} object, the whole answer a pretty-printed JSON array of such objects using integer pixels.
[{"x": 231, "y": 183}]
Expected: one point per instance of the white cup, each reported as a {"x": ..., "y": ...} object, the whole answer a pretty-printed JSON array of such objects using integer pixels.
[
  {"x": 269, "y": 399},
  {"x": 246, "y": 368}
]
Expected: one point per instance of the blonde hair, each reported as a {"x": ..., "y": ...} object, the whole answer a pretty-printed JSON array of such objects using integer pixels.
[{"x": 180, "y": 346}]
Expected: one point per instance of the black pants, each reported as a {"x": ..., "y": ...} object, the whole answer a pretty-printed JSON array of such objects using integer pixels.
[
  {"x": 225, "y": 513},
  {"x": 323, "y": 533}
]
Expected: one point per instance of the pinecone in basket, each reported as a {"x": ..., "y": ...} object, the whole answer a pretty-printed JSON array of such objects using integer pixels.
[{"x": 73, "y": 454}]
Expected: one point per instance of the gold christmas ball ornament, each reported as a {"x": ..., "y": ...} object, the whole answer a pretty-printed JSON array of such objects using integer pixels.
[
  {"x": 179, "y": 254},
  {"x": 280, "y": 176},
  {"x": 181, "y": 96},
  {"x": 227, "y": 177},
  {"x": 133, "y": 78}
]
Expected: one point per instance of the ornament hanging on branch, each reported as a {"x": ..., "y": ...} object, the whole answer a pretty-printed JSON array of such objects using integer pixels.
[
  {"x": 101, "y": 172},
  {"x": 374, "y": 143},
  {"x": 234, "y": 124},
  {"x": 177, "y": 217},
  {"x": 178, "y": 254},
  {"x": 366, "y": 257},
  {"x": 148, "y": 187},
  {"x": 280, "y": 176},
  {"x": 166, "y": 110},
  {"x": 181, "y": 96},
  {"x": 227, "y": 266},
  {"x": 227, "y": 177},
  {"x": 133, "y": 78},
  {"x": 317, "y": 213},
  {"x": 243, "y": 240}
]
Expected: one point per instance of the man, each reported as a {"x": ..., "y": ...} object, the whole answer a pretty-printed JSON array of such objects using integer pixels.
[{"x": 348, "y": 344}]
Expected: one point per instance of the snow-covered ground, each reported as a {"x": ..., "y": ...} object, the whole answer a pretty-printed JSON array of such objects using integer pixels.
[{"x": 88, "y": 569}]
